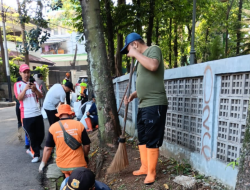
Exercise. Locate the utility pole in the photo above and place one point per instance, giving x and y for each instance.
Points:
(6, 53)
(192, 52)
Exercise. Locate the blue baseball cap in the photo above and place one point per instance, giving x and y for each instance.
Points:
(130, 38)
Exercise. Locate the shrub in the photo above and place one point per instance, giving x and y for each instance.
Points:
(44, 70)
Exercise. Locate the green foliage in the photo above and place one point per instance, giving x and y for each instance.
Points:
(178, 167)
(44, 70)
(211, 26)
(14, 71)
(35, 37)
(34, 40)
(234, 163)
(215, 49)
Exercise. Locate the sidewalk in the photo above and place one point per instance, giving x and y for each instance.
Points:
(17, 171)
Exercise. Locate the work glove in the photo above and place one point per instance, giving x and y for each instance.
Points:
(87, 159)
(41, 167)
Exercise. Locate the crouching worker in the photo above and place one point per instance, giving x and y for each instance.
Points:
(68, 158)
(92, 114)
(82, 179)
(90, 117)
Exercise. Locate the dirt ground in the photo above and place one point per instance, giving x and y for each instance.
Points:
(126, 181)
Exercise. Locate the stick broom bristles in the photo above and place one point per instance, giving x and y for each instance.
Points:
(120, 160)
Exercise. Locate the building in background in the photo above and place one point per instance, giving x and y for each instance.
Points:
(60, 48)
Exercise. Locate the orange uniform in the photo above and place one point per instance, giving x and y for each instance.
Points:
(66, 157)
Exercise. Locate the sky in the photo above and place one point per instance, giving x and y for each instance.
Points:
(12, 3)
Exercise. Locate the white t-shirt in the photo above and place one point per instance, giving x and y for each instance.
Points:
(55, 95)
(29, 105)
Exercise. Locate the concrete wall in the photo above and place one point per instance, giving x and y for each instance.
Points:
(4, 90)
(206, 116)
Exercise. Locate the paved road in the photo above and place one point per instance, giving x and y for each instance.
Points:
(16, 170)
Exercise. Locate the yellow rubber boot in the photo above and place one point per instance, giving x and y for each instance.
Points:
(153, 154)
(144, 161)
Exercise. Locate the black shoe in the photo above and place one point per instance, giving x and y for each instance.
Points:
(26, 146)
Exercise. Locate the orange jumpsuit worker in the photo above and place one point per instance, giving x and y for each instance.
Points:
(67, 159)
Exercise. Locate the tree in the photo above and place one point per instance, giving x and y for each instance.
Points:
(110, 36)
(109, 128)
(22, 7)
(4, 77)
(229, 7)
(118, 56)
(239, 27)
(150, 21)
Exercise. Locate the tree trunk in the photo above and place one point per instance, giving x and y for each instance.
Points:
(139, 23)
(228, 13)
(175, 45)
(90, 86)
(110, 37)
(239, 27)
(170, 42)
(26, 54)
(4, 78)
(109, 128)
(189, 33)
(128, 64)
(118, 57)
(157, 32)
(150, 22)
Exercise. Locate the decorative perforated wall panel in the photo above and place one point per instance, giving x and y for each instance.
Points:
(184, 117)
(233, 104)
(122, 88)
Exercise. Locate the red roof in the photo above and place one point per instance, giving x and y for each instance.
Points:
(32, 58)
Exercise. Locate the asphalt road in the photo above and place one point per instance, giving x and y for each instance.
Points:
(16, 170)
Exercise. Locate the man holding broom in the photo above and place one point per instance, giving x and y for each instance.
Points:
(153, 102)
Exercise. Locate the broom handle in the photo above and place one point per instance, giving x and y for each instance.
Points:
(128, 93)
(124, 95)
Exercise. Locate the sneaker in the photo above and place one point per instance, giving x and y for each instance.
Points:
(35, 160)
(29, 153)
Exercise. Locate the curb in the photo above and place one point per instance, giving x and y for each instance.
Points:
(7, 104)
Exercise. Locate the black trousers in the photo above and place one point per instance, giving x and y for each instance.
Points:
(68, 98)
(51, 116)
(18, 115)
(151, 125)
(34, 128)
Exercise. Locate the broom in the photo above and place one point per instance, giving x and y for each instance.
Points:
(125, 93)
(120, 160)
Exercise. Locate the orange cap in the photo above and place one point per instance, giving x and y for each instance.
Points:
(64, 109)
(67, 74)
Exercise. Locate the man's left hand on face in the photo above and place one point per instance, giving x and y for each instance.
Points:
(132, 52)
(33, 87)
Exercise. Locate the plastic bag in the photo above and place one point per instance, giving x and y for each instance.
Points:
(77, 106)
(85, 115)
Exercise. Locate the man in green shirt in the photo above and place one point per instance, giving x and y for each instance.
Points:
(152, 111)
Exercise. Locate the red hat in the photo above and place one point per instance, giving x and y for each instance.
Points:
(23, 67)
(64, 109)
